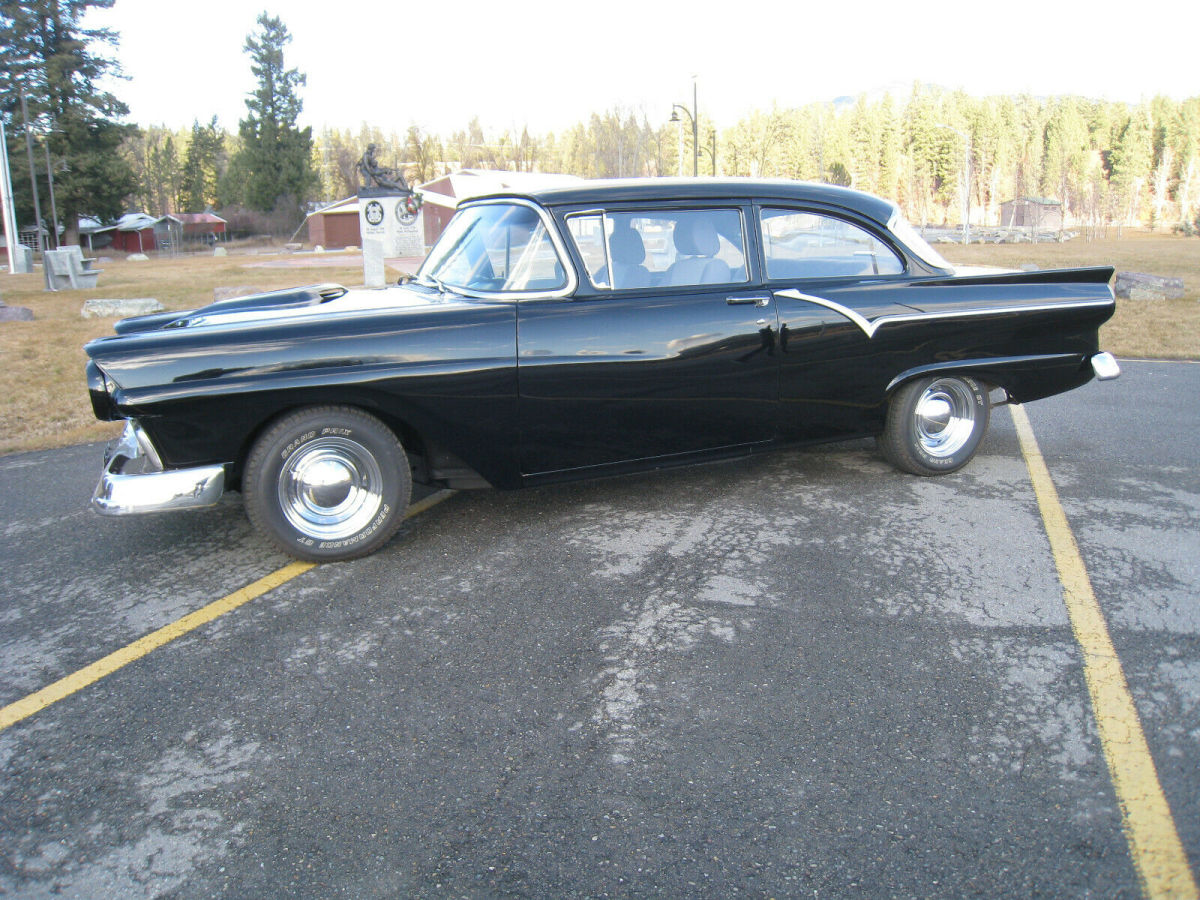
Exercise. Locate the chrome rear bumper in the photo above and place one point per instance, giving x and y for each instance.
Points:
(152, 489)
(1105, 366)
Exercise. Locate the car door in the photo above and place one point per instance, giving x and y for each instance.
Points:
(667, 351)
(829, 277)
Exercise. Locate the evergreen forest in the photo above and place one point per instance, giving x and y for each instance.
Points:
(937, 153)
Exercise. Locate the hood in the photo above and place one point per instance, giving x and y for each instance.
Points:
(324, 334)
(289, 302)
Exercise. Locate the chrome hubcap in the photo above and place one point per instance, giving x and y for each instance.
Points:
(945, 417)
(330, 488)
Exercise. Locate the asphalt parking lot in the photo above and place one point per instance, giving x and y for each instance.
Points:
(801, 674)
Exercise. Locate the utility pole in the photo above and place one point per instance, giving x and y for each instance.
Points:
(53, 208)
(37, 203)
(6, 201)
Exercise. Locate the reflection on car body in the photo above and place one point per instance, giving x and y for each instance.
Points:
(579, 331)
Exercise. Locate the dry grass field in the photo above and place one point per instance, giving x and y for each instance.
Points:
(1166, 329)
(45, 403)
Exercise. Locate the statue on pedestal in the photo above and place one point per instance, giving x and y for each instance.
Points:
(376, 176)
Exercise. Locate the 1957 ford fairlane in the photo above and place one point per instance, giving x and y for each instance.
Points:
(581, 331)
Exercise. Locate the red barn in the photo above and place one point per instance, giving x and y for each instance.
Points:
(335, 226)
(205, 227)
(140, 233)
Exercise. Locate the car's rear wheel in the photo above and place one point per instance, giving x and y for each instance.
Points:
(935, 425)
(327, 483)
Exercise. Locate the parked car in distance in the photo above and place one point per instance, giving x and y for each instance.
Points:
(580, 331)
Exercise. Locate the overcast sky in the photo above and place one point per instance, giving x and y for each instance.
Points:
(547, 64)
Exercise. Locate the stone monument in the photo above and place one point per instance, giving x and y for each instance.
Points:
(388, 217)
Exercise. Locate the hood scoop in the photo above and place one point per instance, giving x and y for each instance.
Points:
(289, 298)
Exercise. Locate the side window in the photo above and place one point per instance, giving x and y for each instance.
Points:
(521, 254)
(810, 245)
(588, 233)
(661, 248)
(707, 247)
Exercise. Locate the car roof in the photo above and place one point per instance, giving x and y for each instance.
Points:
(621, 190)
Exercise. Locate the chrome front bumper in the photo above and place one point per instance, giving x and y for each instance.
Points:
(151, 488)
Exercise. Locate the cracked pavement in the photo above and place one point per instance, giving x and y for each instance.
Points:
(793, 674)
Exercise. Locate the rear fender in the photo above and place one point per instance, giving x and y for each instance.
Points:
(1022, 378)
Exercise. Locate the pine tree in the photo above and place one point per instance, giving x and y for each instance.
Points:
(1184, 139)
(889, 150)
(56, 63)
(1065, 156)
(201, 167)
(274, 165)
(1131, 159)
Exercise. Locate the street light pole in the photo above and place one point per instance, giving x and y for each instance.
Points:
(694, 116)
(695, 130)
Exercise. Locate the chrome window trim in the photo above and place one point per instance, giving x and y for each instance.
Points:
(870, 326)
(556, 241)
(608, 257)
(603, 214)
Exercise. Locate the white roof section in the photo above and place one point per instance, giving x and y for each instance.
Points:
(138, 221)
(467, 183)
(134, 221)
(349, 205)
(464, 184)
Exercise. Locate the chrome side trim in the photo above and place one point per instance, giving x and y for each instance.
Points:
(155, 489)
(870, 326)
(1105, 366)
(859, 320)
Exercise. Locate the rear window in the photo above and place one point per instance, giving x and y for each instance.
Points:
(800, 244)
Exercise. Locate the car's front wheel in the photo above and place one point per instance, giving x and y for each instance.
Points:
(327, 483)
(935, 425)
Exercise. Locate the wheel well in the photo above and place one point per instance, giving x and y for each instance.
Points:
(904, 378)
(410, 439)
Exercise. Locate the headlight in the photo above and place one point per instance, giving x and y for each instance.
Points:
(100, 388)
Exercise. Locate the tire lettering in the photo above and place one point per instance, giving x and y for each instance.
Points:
(361, 536)
(294, 445)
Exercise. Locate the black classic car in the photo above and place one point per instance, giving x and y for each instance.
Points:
(583, 331)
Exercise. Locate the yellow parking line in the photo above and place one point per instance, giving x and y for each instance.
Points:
(1149, 827)
(76, 681)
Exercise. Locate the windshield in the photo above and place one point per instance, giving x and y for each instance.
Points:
(911, 238)
(495, 248)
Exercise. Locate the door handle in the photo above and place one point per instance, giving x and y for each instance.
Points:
(747, 299)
